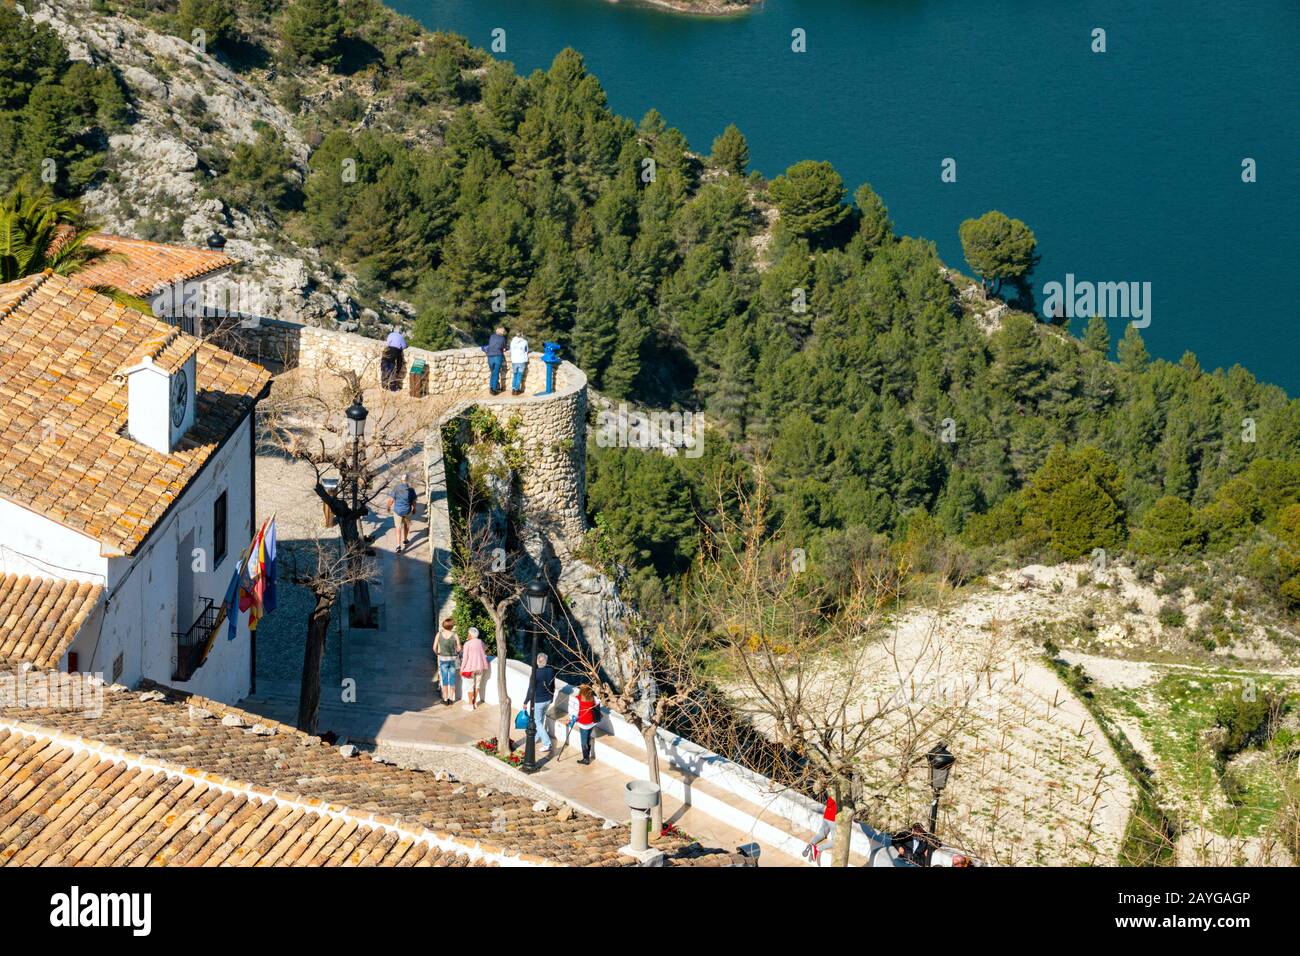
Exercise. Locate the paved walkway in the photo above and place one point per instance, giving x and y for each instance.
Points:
(396, 700)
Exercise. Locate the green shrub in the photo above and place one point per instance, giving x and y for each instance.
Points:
(1244, 718)
(1073, 503)
(1171, 615)
(1169, 528)
(469, 613)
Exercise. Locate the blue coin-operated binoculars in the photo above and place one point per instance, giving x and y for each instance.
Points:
(551, 356)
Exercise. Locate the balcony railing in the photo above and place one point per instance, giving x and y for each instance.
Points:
(190, 645)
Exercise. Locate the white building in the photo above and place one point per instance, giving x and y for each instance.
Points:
(126, 485)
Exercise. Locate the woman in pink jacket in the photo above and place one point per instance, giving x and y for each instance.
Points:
(473, 668)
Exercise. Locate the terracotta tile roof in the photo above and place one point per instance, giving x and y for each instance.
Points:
(63, 407)
(39, 617)
(65, 804)
(140, 268)
(201, 742)
(167, 348)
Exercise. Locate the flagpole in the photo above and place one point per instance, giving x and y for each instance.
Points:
(221, 616)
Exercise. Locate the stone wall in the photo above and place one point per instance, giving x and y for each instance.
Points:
(552, 427)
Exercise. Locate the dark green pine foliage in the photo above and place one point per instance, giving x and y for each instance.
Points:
(810, 197)
(731, 151)
(55, 115)
(311, 31)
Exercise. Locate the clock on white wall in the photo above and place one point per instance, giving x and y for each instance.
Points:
(180, 397)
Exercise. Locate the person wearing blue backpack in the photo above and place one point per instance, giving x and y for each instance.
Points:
(401, 502)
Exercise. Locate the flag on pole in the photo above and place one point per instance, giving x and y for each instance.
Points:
(229, 606)
(253, 580)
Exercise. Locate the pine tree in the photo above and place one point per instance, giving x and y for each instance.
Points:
(620, 376)
(873, 226)
(216, 18)
(312, 31)
(728, 388)
(810, 197)
(1018, 361)
(1133, 357)
(1096, 337)
(998, 248)
(731, 151)
(1169, 528)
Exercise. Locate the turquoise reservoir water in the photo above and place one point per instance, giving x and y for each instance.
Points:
(1127, 164)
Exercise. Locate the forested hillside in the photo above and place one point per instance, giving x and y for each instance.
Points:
(840, 357)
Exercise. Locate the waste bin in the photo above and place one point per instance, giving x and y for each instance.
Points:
(419, 377)
(641, 796)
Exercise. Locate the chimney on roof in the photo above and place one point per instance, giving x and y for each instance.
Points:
(160, 402)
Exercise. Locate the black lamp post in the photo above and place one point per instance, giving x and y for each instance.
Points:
(536, 599)
(357, 414)
(941, 761)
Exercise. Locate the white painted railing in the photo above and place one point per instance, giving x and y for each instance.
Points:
(784, 820)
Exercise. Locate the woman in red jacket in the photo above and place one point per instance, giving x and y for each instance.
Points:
(587, 716)
(825, 834)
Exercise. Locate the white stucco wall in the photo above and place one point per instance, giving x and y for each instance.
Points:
(139, 613)
(33, 544)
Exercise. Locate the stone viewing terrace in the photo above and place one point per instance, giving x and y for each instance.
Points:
(396, 708)
(552, 427)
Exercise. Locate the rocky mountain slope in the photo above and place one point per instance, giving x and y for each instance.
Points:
(186, 102)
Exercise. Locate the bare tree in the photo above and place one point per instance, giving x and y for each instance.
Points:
(304, 420)
(842, 702)
(645, 675)
(485, 569)
(325, 569)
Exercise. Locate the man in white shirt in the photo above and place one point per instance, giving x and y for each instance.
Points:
(518, 363)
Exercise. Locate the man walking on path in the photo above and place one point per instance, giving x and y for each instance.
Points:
(401, 502)
(539, 697)
(392, 362)
(495, 350)
(518, 363)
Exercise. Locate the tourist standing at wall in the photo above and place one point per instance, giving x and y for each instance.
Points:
(586, 714)
(495, 350)
(518, 363)
(474, 668)
(401, 502)
(392, 362)
(447, 646)
(540, 694)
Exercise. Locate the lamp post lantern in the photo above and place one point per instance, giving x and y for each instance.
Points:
(356, 414)
(941, 761)
(537, 600)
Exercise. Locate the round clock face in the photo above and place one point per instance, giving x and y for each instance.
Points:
(180, 398)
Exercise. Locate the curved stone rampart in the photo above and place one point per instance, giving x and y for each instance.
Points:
(552, 427)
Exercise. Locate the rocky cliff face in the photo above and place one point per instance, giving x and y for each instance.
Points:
(185, 102)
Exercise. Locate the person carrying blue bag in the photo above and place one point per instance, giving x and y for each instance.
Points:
(539, 697)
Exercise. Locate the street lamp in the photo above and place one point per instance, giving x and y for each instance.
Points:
(356, 414)
(536, 599)
(941, 761)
